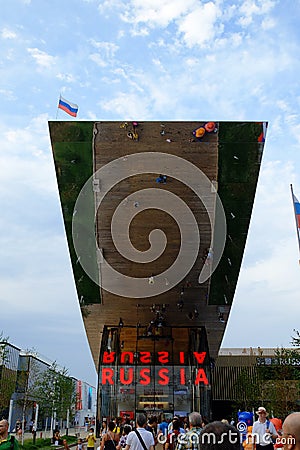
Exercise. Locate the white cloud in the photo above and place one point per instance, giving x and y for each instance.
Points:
(128, 105)
(273, 201)
(139, 31)
(25, 158)
(250, 9)
(268, 24)
(266, 292)
(157, 12)
(7, 93)
(269, 276)
(108, 48)
(43, 59)
(67, 77)
(98, 59)
(199, 22)
(272, 271)
(105, 53)
(152, 13)
(6, 33)
(135, 79)
(110, 5)
(200, 25)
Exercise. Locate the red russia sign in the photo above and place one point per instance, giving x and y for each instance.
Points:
(127, 375)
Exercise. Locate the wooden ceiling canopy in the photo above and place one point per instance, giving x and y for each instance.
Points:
(230, 158)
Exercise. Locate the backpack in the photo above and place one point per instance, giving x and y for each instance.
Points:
(268, 426)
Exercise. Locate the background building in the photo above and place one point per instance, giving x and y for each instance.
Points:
(85, 404)
(244, 378)
(35, 390)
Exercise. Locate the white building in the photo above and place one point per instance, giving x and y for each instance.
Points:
(85, 404)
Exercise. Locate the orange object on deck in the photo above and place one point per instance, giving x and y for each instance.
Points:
(210, 126)
(200, 132)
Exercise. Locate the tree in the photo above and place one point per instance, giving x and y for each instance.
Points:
(29, 373)
(55, 392)
(281, 381)
(248, 390)
(3, 348)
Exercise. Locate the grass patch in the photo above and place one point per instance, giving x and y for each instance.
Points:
(45, 443)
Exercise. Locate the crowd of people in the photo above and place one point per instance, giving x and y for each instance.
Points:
(197, 433)
(190, 433)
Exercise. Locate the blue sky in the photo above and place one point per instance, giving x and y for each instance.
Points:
(143, 60)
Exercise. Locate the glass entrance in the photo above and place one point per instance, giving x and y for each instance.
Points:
(153, 372)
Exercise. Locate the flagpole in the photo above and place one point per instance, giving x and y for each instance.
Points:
(57, 107)
(297, 229)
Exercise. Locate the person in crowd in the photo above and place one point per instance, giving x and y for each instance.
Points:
(117, 429)
(263, 431)
(91, 439)
(205, 421)
(191, 440)
(19, 430)
(140, 438)
(172, 438)
(56, 437)
(162, 431)
(111, 439)
(291, 432)
(123, 439)
(219, 436)
(185, 424)
(31, 426)
(7, 441)
(103, 429)
(18, 425)
(162, 428)
(65, 444)
(170, 426)
(80, 445)
(152, 427)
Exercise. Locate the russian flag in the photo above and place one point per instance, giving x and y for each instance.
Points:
(297, 210)
(262, 136)
(68, 107)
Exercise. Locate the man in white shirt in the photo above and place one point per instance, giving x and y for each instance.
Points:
(133, 442)
(263, 431)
